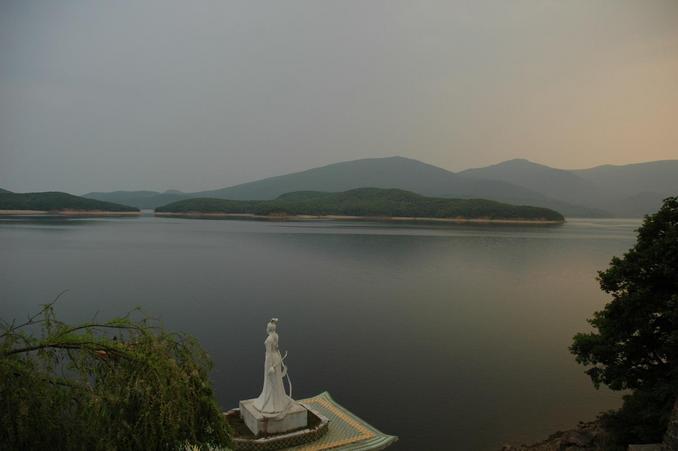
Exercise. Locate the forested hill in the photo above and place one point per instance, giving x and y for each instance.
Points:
(604, 191)
(391, 172)
(369, 202)
(57, 201)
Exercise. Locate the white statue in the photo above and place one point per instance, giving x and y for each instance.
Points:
(273, 401)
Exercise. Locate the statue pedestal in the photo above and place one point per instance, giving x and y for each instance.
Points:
(295, 417)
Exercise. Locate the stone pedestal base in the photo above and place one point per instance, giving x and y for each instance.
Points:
(295, 417)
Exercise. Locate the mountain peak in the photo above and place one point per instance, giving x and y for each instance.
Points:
(521, 162)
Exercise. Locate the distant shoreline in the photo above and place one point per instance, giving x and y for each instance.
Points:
(68, 213)
(204, 215)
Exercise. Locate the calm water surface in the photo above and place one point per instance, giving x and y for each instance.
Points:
(452, 337)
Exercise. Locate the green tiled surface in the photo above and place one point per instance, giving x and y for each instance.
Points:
(346, 431)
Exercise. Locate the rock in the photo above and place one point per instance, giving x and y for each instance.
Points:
(577, 438)
(671, 437)
(591, 437)
(586, 437)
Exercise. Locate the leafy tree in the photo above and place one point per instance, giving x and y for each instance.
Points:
(634, 345)
(119, 384)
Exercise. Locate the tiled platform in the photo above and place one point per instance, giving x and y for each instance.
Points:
(346, 431)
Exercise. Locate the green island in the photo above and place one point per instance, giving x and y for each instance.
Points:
(388, 204)
(54, 202)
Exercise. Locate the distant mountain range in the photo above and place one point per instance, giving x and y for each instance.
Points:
(604, 191)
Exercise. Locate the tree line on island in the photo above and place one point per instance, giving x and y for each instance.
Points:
(366, 202)
(56, 201)
(362, 202)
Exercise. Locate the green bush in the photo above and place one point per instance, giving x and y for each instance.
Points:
(642, 419)
(120, 384)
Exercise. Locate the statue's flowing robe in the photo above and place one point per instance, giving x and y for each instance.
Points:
(273, 398)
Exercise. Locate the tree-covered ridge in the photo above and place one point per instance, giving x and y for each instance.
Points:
(54, 201)
(373, 202)
(4, 191)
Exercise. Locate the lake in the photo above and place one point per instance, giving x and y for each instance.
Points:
(449, 336)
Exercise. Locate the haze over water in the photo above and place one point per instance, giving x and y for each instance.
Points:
(443, 335)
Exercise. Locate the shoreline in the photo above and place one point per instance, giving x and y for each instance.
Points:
(68, 213)
(207, 215)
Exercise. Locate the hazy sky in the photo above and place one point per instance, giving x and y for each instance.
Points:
(191, 95)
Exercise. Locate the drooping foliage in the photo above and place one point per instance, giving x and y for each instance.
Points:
(119, 384)
(634, 345)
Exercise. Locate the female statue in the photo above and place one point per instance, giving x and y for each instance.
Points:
(273, 400)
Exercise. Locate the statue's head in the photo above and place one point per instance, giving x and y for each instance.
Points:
(272, 325)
